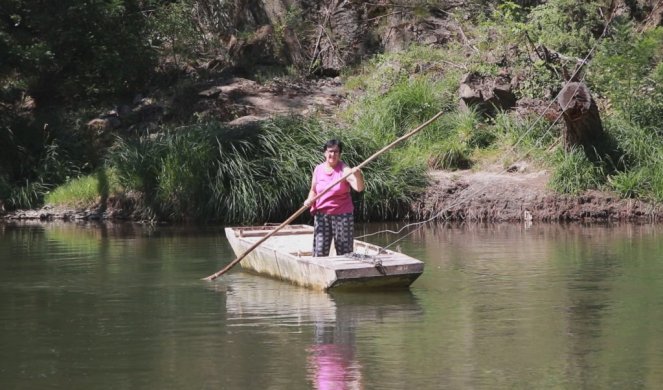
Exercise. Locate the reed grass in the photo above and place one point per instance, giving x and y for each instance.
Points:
(27, 195)
(255, 174)
(574, 173)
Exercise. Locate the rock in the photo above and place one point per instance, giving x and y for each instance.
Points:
(210, 93)
(246, 120)
(487, 94)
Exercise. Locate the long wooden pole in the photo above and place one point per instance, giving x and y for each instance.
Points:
(303, 208)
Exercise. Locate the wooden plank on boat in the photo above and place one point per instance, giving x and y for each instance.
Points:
(288, 257)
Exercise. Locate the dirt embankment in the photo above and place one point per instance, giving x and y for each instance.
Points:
(488, 196)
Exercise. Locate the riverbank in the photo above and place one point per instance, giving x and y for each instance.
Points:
(487, 196)
(472, 196)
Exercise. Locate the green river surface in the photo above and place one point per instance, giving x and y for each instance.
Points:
(123, 306)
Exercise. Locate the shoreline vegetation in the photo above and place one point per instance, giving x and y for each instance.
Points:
(483, 161)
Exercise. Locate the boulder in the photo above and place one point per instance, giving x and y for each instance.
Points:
(487, 94)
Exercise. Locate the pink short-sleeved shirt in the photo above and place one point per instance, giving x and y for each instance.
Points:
(337, 200)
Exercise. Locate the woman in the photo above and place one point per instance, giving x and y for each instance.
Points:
(333, 211)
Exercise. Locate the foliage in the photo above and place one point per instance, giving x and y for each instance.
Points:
(574, 172)
(629, 184)
(137, 163)
(85, 190)
(217, 17)
(383, 71)
(628, 69)
(513, 17)
(72, 52)
(71, 49)
(642, 160)
(525, 133)
(26, 195)
(172, 29)
(66, 53)
(213, 172)
(567, 26)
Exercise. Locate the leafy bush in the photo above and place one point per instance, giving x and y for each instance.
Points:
(567, 26)
(628, 69)
(173, 30)
(69, 49)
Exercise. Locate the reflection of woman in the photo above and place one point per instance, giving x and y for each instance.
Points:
(333, 211)
(332, 362)
(334, 367)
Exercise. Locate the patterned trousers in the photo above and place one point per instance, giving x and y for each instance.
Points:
(339, 227)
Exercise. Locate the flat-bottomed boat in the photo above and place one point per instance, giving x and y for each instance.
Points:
(286, 255)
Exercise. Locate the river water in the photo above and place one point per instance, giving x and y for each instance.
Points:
(498, 306)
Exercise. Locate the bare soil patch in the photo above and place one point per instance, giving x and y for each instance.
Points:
(488, 196)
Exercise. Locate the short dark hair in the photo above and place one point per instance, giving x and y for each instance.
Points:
(332, 143)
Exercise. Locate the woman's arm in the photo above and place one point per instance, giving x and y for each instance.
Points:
(356, 179)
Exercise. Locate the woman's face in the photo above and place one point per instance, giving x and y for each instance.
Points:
(332, 155)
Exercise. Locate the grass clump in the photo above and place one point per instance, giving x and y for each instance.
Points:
(85, 190)
(574, 173)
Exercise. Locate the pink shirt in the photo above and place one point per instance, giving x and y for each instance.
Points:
(337, 200)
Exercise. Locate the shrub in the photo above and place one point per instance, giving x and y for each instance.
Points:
(628, 70)
(567, 26)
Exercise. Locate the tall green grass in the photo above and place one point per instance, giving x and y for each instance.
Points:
(253, 174)
(641, 161)
(574, 173)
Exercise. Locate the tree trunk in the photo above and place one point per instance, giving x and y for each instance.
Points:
(581, 116)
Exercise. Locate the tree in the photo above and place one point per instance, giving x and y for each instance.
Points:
(65, 50)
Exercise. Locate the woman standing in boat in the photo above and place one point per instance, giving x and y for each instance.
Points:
(333, 211)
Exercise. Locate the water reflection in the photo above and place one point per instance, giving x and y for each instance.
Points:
(333, 318)
(332, 362)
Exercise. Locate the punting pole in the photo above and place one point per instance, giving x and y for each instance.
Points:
(303, 208)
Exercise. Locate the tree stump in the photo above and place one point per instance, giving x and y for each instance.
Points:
(582, 119)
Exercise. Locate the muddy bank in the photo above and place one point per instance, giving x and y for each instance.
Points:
(516, 197)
